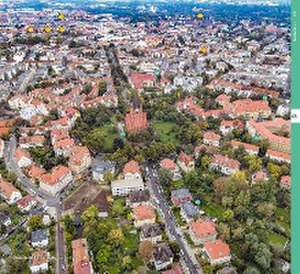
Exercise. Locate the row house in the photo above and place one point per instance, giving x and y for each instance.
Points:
(281, 157)
(249, 148)
(224, 164)
(9, 192)
(265, 130)
(211, 138)
(80, 159)
(23, 158)
(250, 109)
(57, 180)
(227, 127)
(32, 141)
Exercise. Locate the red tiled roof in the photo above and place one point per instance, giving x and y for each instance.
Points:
(184, 158)
(138, 79)
(20, 153)
(285, 181)
(136, 121)
(144, 212)
(131, 167)
(210, 135)
(78, 154)
(39, 257)
(217, 249)
(202, 228)
(7, 189)
(175, 270)
(80, 257)
(244, 106)
(237, 144)
(225, 161)
(168, 164)
(278, 154)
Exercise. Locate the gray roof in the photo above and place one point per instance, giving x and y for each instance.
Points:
(102, 166)
(180, 193)
(39, 235)
(190, 210)
(151, 230)
(162, 253)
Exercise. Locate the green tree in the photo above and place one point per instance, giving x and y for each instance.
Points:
(35, 222)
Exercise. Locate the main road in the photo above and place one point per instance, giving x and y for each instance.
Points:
(175, 232)
(43, 197)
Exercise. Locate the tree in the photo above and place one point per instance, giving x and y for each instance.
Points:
(108, 177)
(274, 170)
(253, 163)
(228, 215)
(146, 250)
(116, 237)
(263, 256)
(251, 270)
(90, 214)
(102, 88)
(35, 222)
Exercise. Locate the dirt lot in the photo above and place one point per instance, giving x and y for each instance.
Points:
(81, 198)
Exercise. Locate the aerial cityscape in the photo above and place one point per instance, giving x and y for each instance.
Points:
(145, 137)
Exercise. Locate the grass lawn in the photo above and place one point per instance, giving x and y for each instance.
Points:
(283, 218)
(276, 240)
(213, 210)
(165, 131)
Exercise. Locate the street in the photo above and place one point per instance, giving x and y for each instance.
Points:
(42, 197)
(175, 231)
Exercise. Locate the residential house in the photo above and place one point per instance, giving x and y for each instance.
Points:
(63, 147)
(123, 187)
(162, 256)
(202, 231)
(138, 198)
(81, 259)
(151, 233)
(259, 176)
(170, 165)
(57, 180)
(176, 269)
(227, 127)
(249, 148)
(143, 214)
(285, 182)
(5, 219)
(8, 192)
(40, 238)
(32, 141)
(211, 138)
(189, 211)
(224, 164)
(181, 196)
(186, 162)
(100, 167)
(39, 261)
(132, 170)
(26, 203)
(280, 157)
(217, 252)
